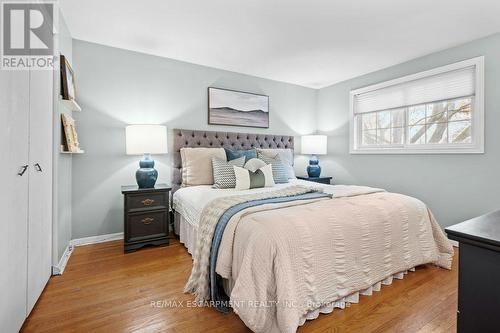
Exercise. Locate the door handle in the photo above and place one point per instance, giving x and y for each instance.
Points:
(38, 167)
(23, 170)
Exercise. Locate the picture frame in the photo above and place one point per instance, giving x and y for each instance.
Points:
(68, 88)
(70, 141)
(237, 108)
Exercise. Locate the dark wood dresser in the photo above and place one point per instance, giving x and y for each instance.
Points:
(146, 216)
(322, 180)
(478, 273)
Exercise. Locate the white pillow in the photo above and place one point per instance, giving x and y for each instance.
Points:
(246, 179)
(285, 155)
(254, 164)
(197, 165)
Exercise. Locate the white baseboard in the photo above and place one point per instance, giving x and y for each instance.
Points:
(59, 268)
(96, 239)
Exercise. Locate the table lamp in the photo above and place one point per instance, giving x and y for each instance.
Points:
(147, 140)
(313, 145)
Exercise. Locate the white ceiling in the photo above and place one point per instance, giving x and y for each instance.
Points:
(313, 43)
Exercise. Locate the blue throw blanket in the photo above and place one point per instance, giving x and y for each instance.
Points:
(217, 293)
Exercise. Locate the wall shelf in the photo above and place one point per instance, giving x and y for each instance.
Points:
(70, 104)
(62, 151)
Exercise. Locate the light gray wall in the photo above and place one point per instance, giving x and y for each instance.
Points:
(455, 187)
(62, 162)
(117, 87)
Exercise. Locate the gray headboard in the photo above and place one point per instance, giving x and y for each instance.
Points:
(210, 139)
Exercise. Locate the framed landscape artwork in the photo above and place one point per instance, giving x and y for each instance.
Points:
(237, 108)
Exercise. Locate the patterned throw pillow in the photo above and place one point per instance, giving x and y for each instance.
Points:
(280, 173)
(232, 154)
(285, 155)
(224, 173)
(246, 179)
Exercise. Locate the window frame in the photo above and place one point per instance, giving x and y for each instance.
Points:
(477, 117)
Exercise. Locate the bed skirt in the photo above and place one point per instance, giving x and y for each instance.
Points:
(186, 231)
(353, 298)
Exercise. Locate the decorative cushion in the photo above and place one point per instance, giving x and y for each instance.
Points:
(197, 165)
(224, 172)
(246, 179)
(280, 173)
(254, 164)
(232, 154)
(286, 156)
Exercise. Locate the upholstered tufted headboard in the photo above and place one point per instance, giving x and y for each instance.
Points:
(210, 139)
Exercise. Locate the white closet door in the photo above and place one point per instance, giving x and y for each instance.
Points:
(14, 110)
(40, 184)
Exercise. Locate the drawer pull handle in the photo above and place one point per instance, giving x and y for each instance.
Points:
(148, 220)
(148, 202)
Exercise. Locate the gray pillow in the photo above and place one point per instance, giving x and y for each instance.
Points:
(280, 173)
(254, 164)
(285, 155)
(224, 172)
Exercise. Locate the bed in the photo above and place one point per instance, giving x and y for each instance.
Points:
(304, 249)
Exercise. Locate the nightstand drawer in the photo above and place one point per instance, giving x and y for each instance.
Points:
(147, 200)
(146, 226)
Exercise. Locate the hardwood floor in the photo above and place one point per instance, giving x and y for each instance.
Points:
(104, 290)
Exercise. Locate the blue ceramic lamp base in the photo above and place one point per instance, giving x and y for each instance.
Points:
(313, 169)
(146, 175)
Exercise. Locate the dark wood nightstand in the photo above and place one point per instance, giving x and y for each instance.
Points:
(478, 272)
(322, 180)
(146, 216)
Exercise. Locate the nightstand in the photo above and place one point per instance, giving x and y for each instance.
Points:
(146, 216)
(322, 180)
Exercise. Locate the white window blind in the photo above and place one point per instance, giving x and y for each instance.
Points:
(436, 111)
(443, 86)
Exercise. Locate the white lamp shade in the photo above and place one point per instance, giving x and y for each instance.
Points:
(313, 144)
(146, 139)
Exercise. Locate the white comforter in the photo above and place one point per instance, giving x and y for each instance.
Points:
(287, 261)
(190, 201)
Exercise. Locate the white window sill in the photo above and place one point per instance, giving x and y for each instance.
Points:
(426, 150)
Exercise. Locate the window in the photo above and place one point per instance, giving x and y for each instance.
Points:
(437, 111)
